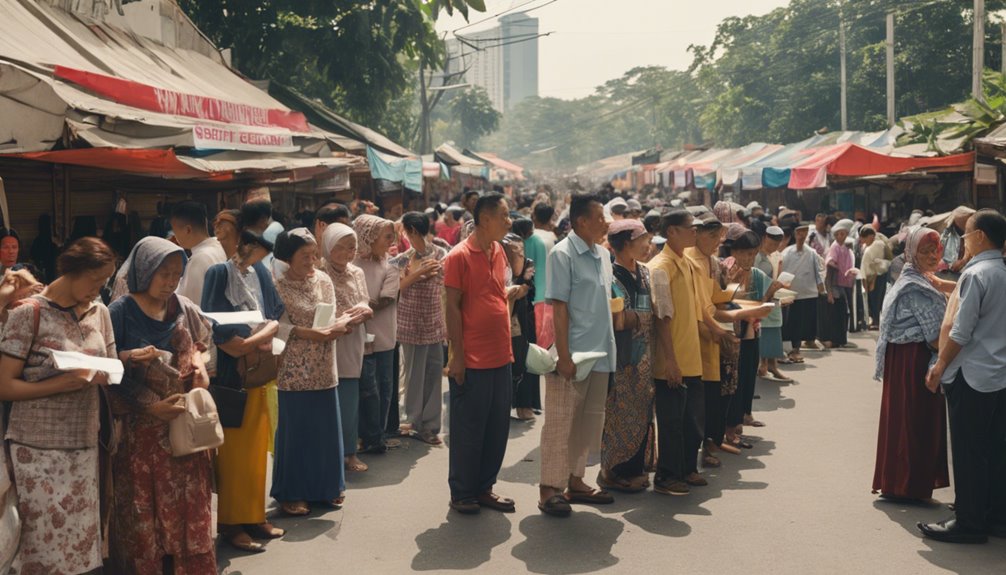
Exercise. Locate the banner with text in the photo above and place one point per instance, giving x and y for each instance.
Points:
(206, 137)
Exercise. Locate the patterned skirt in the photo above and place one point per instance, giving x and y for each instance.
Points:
(58, 503)
(162, 505)
(628, 413)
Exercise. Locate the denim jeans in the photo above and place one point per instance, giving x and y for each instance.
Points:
(377, 381)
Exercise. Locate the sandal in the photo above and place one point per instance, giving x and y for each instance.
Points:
(338, 502)
(295, 509)
(467, 506)
(615, 483)
(556, 506)
(430, 438)
(358, 467)
(729, 447)
(243, 542)
(264, 531)
(592, 497)
(710, 461)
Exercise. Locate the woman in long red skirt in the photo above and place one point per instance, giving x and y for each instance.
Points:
(912, 443)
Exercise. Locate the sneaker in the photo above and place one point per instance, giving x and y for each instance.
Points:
(670, 487)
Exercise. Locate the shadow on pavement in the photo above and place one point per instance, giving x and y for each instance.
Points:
(527, 470)
(461, 542)
(579, 544)
(390, 468)
(771, 396)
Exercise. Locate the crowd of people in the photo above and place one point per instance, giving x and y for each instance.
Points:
(650, 324)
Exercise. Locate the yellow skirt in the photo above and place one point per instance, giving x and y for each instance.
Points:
(241, 463)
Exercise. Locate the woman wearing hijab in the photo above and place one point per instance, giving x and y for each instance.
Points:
(243, 284)
(339, 249)
(912, 442)
(308, 466)
(378, 382)
(839, 280)
(162, 504)
(629, 408)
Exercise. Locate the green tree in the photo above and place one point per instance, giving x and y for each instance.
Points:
(355, 56)
(474, 113)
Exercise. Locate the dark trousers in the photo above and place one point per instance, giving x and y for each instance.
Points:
(377, 382)
(634, 467)
(747, 374)
(978, 442)
(876, 298)
(480, 427)
(716, 419)
(679, 431)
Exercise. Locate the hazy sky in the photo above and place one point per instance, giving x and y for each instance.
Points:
(597, 40)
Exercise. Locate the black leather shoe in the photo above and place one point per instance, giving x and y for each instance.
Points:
(949, 532)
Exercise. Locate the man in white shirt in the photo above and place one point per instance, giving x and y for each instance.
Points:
(877, 258)
(189, 224)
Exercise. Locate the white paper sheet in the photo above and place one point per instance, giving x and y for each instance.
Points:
(278, 346)
(786, 278)
(323, 315)
(70, 360)
(253, 317)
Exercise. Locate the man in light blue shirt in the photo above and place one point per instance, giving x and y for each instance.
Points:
(972, 368)
(574, 410)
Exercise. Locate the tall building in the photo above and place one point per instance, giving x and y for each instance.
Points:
(502, 59)
(520, 58)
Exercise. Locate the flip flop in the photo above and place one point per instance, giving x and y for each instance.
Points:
(295, 509)
(619, 484)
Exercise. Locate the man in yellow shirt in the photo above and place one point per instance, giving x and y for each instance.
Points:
(677, 360)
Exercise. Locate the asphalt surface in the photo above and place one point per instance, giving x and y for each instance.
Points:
(799, 502)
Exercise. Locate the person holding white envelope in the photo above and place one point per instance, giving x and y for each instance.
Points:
(574, 401)
(54, 421)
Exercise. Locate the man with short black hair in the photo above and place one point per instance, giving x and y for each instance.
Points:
(575, 398)
(677, 361)
(478, 328)
(877, 257)
(189, 223)
(332, 213)
(972, 369)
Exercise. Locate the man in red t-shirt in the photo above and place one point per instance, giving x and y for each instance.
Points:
(478, 327)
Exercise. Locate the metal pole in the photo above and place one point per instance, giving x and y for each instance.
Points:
(841, 49)
(890, 70)
(978, 55)
(1002, 45)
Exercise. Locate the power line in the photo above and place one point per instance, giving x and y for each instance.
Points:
(494, 16)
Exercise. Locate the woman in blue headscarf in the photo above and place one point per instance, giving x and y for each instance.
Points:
(162, 504)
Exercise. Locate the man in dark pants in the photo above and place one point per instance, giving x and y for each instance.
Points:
(972, 368)
(478, 329)
(677, 362)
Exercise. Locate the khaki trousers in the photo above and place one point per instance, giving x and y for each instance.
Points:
(574, 421)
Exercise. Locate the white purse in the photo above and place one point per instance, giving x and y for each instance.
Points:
(198, 428)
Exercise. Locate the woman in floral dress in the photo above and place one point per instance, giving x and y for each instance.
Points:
(162, 504)
(53, 426)
(629, 410)
(309, 457)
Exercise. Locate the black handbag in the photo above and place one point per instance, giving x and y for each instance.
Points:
(230, 404)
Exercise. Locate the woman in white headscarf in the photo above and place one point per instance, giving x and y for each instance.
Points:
(839, 280)
(339, 249)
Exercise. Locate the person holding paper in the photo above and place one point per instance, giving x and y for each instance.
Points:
(162, 504)
(422, 329)
(739, 249)
(339, 248)
(243, 283)
(308, 466)
(579, 289)
(770, 348)
(379, 381)
(840, 277)
(54, 421)
(802, 261)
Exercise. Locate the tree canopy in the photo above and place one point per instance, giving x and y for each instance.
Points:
(771, 78)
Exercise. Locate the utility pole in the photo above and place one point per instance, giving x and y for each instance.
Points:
(1002, 44)
(841, 49)
(978, 54)
(890, 70)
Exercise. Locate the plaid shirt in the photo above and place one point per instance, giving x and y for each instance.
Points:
(420, 306)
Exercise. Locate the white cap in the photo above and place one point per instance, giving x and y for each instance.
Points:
(774, 231)
(753, 205)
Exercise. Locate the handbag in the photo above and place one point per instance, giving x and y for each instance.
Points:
(198, 428)
(230, 404)
(257, 369)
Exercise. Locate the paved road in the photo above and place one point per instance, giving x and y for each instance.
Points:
(799, 503)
